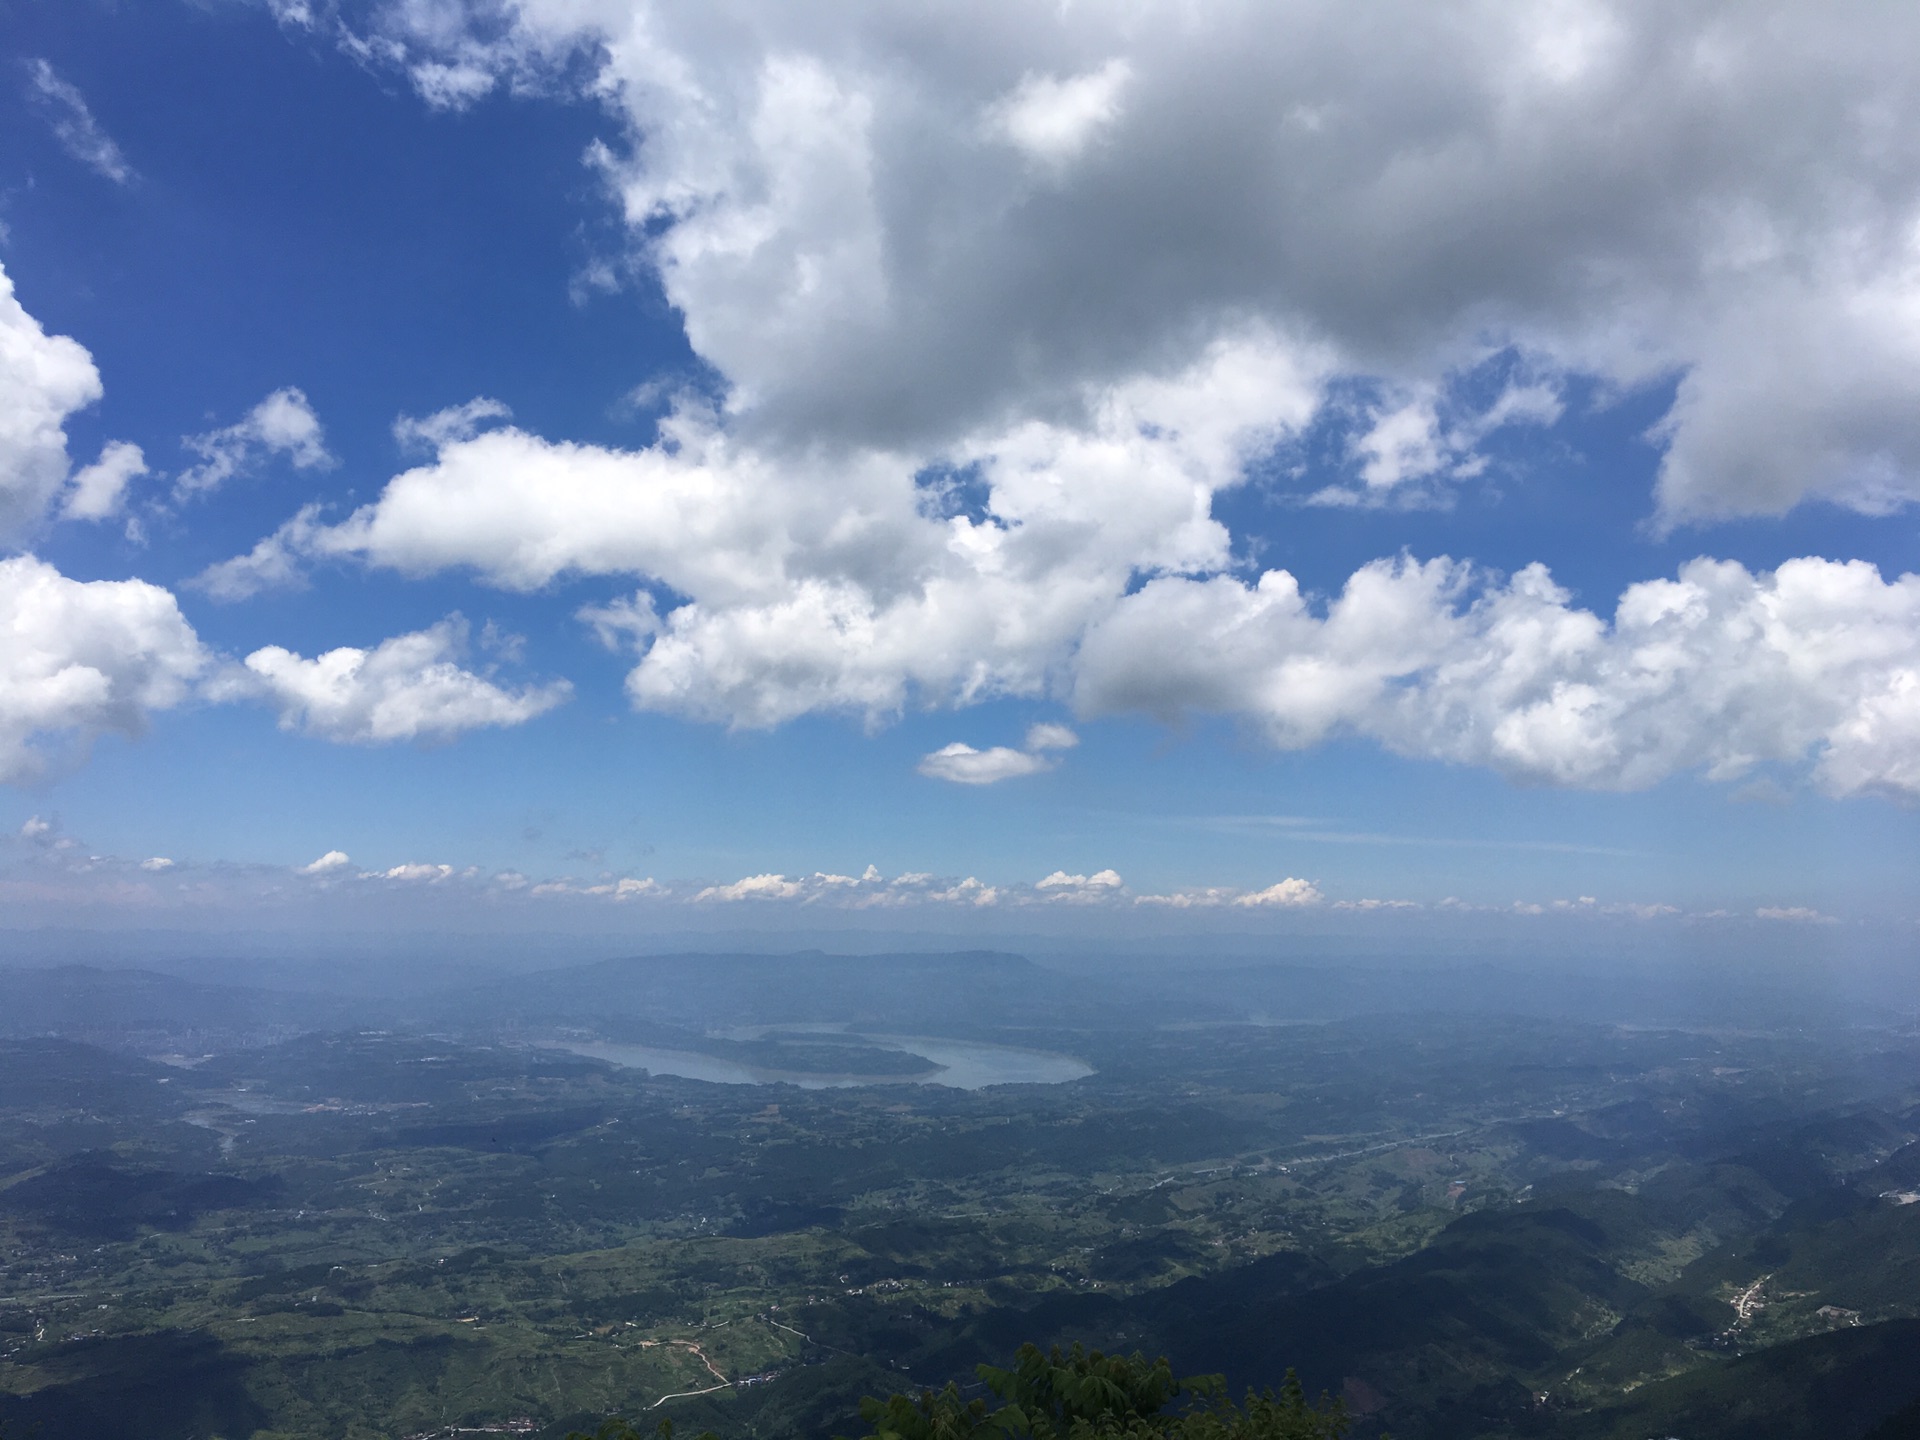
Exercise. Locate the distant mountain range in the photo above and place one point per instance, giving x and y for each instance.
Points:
(669, 998)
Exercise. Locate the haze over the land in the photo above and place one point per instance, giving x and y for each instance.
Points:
(1410, 476)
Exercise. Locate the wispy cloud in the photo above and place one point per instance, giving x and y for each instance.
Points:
(274, 563)
(1298, 827)
(1795, 915)
(281, 424)
(74, 125)
(444, 427)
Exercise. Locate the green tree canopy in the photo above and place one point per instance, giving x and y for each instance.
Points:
(618, 1429)
(1082, 1394)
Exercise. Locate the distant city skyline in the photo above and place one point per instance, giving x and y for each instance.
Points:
(626, 469)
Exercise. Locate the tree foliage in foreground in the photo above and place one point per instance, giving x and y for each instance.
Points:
(618, 1429)
(1081, 1394)
(1084, 1395)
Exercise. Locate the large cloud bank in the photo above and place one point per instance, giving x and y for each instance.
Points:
(1716, 671)
(897, 227)
(842, 582)
(806, 592)
(1001, 300)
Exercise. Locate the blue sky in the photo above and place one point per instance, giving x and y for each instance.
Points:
(933, 382)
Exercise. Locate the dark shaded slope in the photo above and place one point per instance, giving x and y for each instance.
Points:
(53, 1074)
(1441, 1345)
(1826, 1387)
(88, 1199)
(171, 1385)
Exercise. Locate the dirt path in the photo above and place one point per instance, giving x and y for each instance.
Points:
(723, 1383)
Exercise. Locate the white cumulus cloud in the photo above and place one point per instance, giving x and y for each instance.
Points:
(752, 887)
(1287, 894)
(1100, 885)
(620, 890)
(43, 380)
(1714, 672)
(82, 658)
(805, 596)
(964, 765)
(331, 863)
(99, 491)
(1282, 894)
(839, 583)
(414, 873)
(410, 687)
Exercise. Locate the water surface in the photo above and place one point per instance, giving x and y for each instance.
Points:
(964, 1065)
